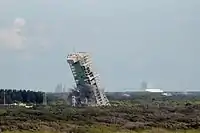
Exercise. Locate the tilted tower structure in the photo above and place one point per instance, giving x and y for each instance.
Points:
(88, 90)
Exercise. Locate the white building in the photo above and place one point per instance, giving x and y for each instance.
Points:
(154, 90)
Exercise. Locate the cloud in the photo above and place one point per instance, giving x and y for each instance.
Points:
(12, 37)
(22, 38)
(19, 22)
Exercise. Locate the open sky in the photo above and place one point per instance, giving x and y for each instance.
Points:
(131, 40)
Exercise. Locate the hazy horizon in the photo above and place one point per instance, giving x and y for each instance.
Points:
(130, 41)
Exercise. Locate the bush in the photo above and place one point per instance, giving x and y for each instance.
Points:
(3, 112)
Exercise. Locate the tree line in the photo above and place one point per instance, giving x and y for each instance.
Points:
(25, 96)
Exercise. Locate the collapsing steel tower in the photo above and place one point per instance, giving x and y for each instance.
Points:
(87, 91)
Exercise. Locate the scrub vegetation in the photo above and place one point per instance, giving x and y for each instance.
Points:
(143, 113)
